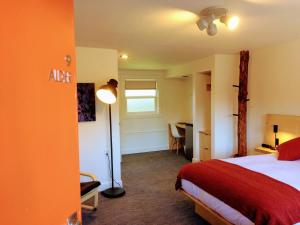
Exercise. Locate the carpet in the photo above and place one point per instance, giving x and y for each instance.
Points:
(150, 198)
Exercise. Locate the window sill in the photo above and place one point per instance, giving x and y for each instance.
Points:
(141, 116)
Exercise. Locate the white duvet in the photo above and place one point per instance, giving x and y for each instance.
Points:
(285, 171)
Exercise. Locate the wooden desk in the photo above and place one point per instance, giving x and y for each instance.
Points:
(181, 127)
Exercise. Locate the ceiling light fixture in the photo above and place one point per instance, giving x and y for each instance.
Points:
(124, 56)
(211, 14)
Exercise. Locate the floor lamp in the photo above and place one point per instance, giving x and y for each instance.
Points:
(108, 94)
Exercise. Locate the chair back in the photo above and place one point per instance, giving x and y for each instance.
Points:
(174, 131)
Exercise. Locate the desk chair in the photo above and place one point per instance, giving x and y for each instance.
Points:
(177, 138)
(89, 190)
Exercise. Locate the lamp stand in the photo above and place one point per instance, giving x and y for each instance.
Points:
(113, 192)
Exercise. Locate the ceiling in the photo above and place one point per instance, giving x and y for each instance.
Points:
(157, 34)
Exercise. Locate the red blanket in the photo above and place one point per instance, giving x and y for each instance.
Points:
(262, 199)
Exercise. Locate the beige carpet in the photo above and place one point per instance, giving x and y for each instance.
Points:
(150, 198)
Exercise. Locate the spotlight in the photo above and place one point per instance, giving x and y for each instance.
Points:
(212, 29)
(202, 24)
(230, 22)
(233, 22)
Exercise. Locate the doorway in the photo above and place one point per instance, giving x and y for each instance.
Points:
(202, 115)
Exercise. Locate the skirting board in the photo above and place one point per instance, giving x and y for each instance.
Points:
(139, 150)
(205, 212)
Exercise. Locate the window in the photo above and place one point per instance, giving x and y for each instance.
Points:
(141, 96)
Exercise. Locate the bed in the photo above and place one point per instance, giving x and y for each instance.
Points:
(217, 212)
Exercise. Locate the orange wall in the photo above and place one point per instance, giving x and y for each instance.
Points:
(38, 119)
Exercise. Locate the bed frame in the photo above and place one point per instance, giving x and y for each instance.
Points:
(205, 212)
(288, 129)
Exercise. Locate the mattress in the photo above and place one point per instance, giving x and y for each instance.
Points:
(284, 171)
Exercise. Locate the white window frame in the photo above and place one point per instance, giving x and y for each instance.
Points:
(142, 114)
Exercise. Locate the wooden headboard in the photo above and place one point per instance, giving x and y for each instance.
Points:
(288, 128)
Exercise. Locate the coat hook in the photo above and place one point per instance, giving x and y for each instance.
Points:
(237, 86)
(236, 115)
(68, 59)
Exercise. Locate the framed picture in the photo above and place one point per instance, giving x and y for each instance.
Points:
(86, 102)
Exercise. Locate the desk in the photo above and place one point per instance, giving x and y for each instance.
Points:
(181, 125)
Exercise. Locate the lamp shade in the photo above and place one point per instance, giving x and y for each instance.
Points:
(108, 93)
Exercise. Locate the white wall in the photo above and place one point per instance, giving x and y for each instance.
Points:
(201, 106)
(98, 66)
(190, 68)
(189, 96)
(274, 86)
(224, 73)
(224, 104)
(150, 133)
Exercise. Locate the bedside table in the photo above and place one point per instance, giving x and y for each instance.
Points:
(265, 150)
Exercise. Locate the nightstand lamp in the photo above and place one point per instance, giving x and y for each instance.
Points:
(275, 130)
